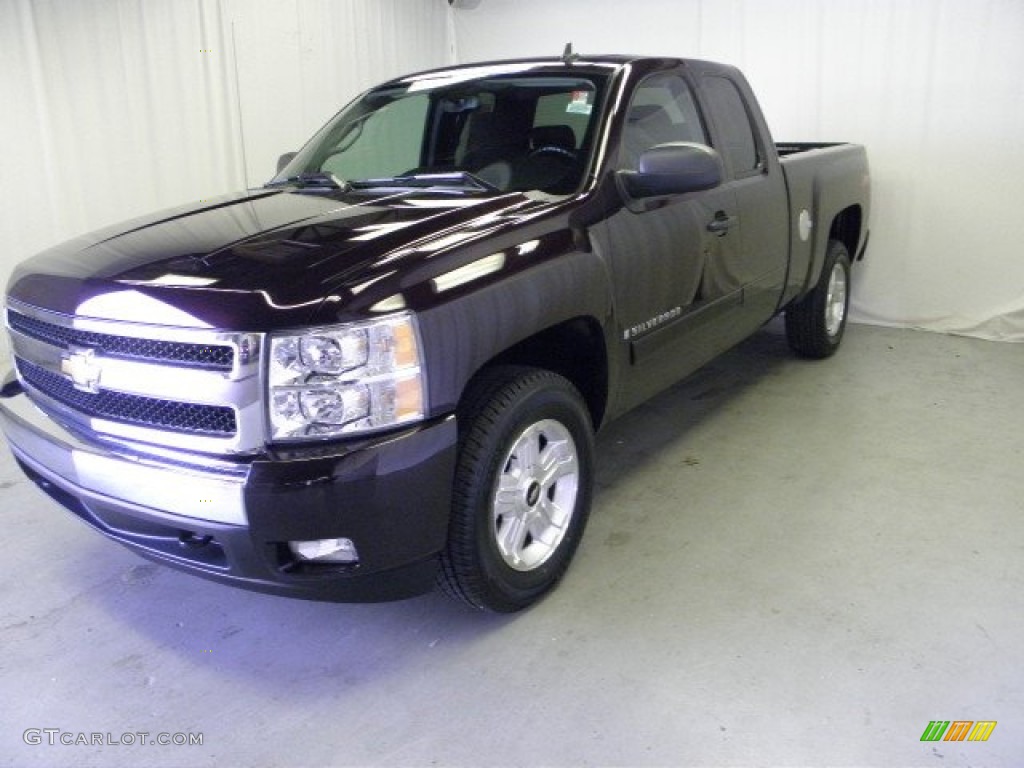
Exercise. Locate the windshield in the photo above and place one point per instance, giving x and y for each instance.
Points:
(494, 133)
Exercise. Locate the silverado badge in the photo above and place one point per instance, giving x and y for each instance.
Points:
(82, 366)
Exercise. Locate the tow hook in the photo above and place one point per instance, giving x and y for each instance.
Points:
(190, 540)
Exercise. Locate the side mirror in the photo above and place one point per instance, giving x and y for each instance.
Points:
(284, 159)
(673, 169)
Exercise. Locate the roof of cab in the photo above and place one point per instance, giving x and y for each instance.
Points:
(510, 66)
(581, 61)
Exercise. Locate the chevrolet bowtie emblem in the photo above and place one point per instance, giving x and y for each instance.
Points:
(82, 366)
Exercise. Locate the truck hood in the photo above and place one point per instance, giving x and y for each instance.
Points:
(256, 260)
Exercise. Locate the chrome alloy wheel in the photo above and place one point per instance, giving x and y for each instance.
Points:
(535, 495)
(835, 300)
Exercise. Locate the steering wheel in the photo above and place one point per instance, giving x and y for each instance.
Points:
(553, 149)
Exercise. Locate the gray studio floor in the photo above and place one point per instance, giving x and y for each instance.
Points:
(788, 563)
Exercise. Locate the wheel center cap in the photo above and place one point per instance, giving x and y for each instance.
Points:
(533, 493)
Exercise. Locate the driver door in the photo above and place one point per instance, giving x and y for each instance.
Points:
(670, 316)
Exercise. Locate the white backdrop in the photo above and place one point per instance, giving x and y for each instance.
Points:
(113, 108)
(934, 88)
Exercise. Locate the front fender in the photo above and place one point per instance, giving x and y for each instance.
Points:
(462, 335)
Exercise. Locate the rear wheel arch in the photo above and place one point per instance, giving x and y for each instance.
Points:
(815, 324)
(846, 227)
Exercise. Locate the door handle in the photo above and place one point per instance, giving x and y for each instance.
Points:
(721, 223)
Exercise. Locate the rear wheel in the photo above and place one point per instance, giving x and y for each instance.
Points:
(522, 488)
(815, 324)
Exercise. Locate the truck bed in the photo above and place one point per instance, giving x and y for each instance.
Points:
(794, 147)
(821, 179)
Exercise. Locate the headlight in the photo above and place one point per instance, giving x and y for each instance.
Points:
(345, 379)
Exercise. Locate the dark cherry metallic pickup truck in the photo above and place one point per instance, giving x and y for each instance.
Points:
(385, 368)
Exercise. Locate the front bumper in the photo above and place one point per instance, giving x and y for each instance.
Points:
(231, 521)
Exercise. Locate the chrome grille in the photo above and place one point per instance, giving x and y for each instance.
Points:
(185, 388)
(133, 409)
(220, 358)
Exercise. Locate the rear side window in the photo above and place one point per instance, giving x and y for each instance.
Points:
(736, 134)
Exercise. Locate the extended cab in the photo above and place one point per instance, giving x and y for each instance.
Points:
(385, 367)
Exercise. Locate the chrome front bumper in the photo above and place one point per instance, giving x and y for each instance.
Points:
(233, 522)
(161, 486)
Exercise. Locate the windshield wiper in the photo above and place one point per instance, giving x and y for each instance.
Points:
(454, 179)
(313, 179)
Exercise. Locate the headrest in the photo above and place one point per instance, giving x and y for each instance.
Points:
(553, 136)
(648, 114)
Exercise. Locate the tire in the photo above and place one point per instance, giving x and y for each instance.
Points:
(815, 324)
(523, 485)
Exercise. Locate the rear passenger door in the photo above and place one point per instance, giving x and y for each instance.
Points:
(758, 265)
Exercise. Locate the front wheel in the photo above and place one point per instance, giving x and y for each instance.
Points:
(815, 324)
(522, 492)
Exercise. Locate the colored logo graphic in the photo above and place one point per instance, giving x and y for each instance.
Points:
(958, 730)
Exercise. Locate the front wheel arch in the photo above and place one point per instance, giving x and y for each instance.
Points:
(484, 563)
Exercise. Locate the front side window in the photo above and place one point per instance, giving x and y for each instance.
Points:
(662, 110)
